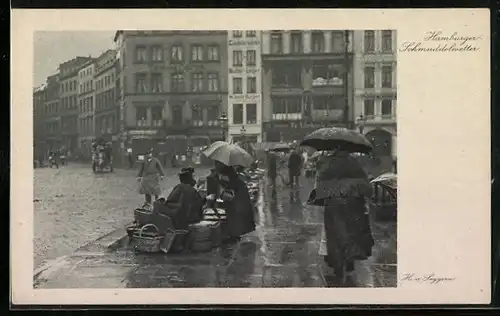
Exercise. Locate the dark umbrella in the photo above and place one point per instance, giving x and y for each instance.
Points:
(332, 138)
(281, 147)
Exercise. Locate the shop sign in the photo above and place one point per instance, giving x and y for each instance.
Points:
(241, 70)
(142, 132)
(244, 97)
(237, 42)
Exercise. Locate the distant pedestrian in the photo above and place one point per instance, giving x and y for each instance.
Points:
(130, 158)
(173, 160)
(272, 168)
(294, 168)
(150, 174)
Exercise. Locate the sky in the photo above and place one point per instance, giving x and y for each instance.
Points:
(52, 48)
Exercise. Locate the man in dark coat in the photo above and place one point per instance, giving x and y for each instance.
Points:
(294, 168)
(272, 171)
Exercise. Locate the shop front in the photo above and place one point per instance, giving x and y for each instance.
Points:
(289, 131)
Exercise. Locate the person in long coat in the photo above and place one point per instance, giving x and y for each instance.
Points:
(342, 188)
(150, 174)
(294, 168)
(239, 207)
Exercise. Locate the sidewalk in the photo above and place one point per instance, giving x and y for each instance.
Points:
(282, 252)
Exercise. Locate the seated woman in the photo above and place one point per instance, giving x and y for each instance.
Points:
(184, 204)
(238, 206)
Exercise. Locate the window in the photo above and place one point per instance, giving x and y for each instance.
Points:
(387, 41)
(237, 85)
(177, 115)
(213, 53)
(369, 41)
(296, 39)
(251, 84)
(369, 108)
(196, 53)
(141, 54)
(327, 74)
(386, 108)
(237, 33)
(197, 115)
(178, 83)
(213, 82)
(276, 43)
(177, 53)
(251, 33)
(251, 56)
(318, 42)
(337, 41)
(213, 115)
(141, 115)
(156, 53)
(237, 58)
(287, 108)
(322, 103)
(157, 82)
(141, 85)
(370, 77)
(286, 74)
(386, 77)
(237, 113)
(157, 115)
(251, 113)
(197, 82)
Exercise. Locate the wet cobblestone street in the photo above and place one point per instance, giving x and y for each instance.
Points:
(282, 252)
(73, 206)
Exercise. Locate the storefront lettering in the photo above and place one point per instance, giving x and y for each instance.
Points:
(243, 42)
(245, 97)
(240, 70)
(185, 67)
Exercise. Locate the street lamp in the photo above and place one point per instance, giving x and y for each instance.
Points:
(361, 121)
(223, 122)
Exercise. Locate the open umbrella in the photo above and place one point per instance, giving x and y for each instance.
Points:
(389, 180)
(229, 154)
(281, 147)
(332, 138)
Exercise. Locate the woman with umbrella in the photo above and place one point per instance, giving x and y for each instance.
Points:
(232, 189)
(342, 188)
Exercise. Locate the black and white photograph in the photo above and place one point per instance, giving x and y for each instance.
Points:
(238, 158)
(310, 157)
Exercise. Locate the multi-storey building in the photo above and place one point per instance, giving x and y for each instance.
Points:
(68, 79)
(52, 114)
(173, 88)
(39, 97)
(376, 86)
(107, 109)
(306, 82)
(86, 108)
(244, 85)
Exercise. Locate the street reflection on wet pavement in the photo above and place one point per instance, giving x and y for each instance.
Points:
(282, 252)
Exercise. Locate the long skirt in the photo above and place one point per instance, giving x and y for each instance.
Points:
(150, 184)
(347, 231)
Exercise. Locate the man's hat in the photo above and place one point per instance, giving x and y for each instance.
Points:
(186, 171)
(150, 151)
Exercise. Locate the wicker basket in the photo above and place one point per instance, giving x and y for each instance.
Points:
(145, 242)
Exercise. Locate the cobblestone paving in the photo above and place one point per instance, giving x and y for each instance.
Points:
(73, 206)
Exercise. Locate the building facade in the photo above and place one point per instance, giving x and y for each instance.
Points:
(375, 73)
(39, 98)
(52, 114)
(307, 82)
(173, 88)
(86, 108)
(68, 80)
(244, 86)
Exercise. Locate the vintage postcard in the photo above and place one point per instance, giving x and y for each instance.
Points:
(250, 156)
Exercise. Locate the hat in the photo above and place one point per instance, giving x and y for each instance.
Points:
(150, 151)
(187, 170)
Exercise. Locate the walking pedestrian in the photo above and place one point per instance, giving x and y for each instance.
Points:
(272, 172)
(294, 168)
(342, 188)
(130, 158)
(149, 176)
